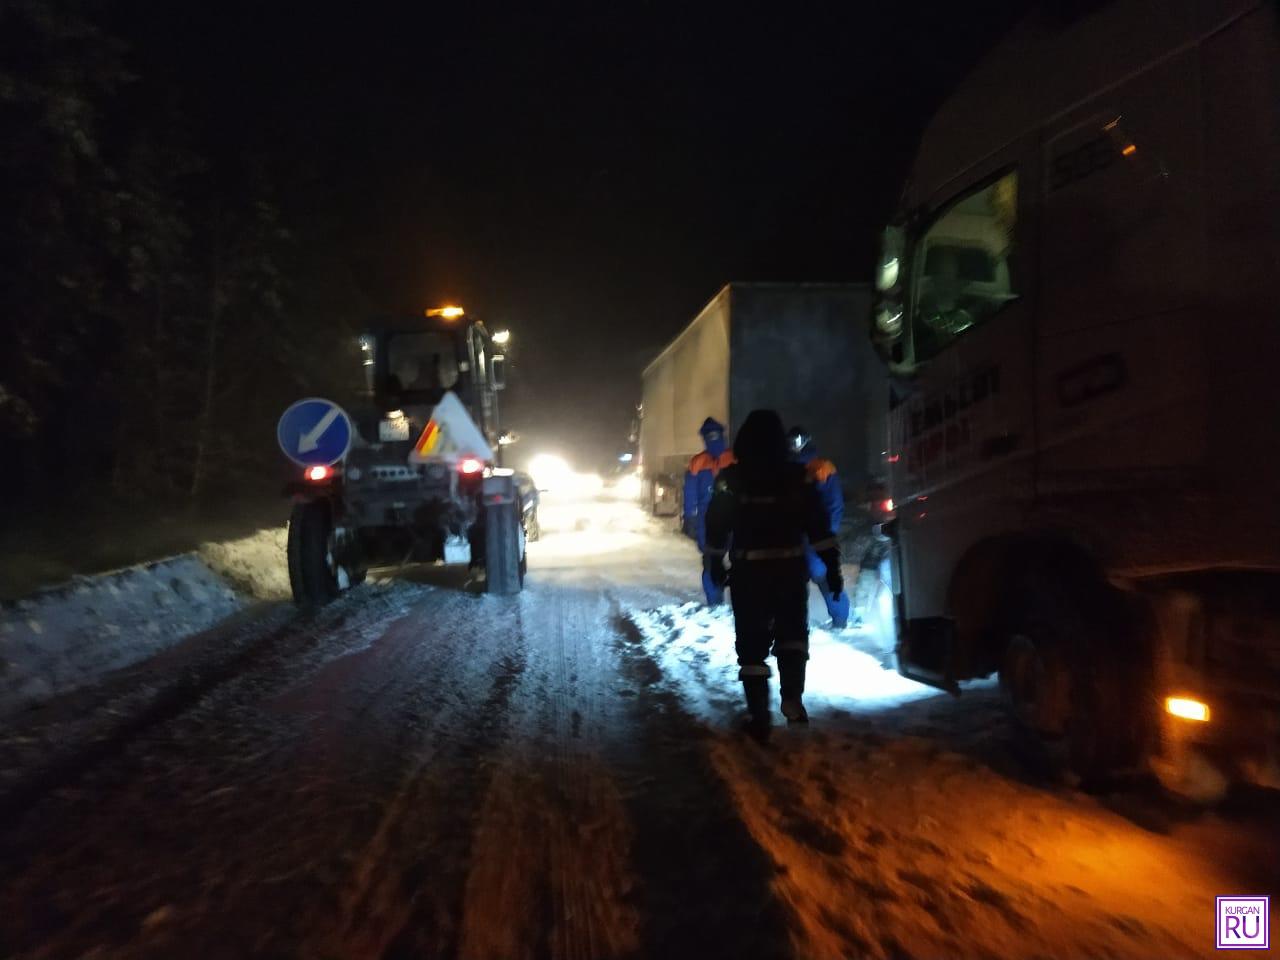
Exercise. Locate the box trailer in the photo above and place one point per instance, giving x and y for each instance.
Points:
(798, 348)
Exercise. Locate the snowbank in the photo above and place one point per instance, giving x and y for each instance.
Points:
(68, 636)
(255, 564)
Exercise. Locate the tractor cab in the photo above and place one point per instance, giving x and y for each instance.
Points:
(411, 363)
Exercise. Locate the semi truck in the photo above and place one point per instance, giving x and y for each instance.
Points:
(799, 348)
(1076, 305)
(422, 480)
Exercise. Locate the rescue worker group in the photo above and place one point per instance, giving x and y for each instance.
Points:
(771, 507)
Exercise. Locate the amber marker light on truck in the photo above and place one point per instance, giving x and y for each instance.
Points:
(449, 313)
(1187, 708)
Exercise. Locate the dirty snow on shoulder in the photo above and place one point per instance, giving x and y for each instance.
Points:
(65, 637)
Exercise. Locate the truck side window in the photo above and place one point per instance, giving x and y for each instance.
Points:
(961, 265)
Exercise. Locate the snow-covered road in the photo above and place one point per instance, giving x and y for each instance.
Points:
(423, 771)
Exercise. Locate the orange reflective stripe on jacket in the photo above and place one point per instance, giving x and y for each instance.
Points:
(819, 470)
(703, 461)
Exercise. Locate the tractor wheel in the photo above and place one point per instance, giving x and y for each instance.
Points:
(504, 549)
(312, 570)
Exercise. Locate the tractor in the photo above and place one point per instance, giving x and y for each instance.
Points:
(422, 480)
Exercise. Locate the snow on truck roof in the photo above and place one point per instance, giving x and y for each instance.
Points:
(1042, 69)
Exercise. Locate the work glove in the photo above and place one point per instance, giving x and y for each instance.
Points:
(835, 579)
(715, 568)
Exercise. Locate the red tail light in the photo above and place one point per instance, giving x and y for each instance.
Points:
(318, 474)
(886, 506)
(470, 465)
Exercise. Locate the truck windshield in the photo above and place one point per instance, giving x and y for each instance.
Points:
(962, 273)
(426, 361)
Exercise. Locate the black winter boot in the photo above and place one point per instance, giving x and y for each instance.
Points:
(791, 669)
(756, 690)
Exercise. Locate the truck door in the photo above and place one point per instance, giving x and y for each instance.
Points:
(1121, 389)
(962, 443)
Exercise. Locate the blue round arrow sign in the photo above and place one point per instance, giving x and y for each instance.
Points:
(315, 432)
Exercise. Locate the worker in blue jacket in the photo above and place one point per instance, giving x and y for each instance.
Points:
(822, 474)
(699, 481)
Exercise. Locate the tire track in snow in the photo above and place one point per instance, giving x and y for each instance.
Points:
(705, 886)
(402, 895)
(548, 875)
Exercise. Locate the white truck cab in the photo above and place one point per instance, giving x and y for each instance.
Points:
(1079, 304)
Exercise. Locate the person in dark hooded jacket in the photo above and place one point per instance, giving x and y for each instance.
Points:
(763, 512)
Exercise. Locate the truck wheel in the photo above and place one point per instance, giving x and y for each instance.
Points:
(504, 549)
(1036, 683)
(312, 570)
(1071, 682)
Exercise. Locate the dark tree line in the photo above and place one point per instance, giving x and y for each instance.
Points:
(159, 309)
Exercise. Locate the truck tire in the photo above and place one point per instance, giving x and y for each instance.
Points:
(1072, 680)
(312, 571)
(504, 559)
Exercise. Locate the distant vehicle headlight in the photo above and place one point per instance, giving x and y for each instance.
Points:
(549, 470)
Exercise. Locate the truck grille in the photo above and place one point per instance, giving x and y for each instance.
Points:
(393, 473)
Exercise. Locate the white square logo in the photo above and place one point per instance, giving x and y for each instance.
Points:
(1244, 923)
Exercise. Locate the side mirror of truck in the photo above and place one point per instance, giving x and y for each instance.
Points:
(498, 372)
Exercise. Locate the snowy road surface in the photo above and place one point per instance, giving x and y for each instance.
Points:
(423, 771)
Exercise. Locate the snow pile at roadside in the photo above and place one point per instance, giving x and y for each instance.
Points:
(254, 565)
(694, 646)
(63, 638)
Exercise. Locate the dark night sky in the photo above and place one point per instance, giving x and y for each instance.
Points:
(586, 175)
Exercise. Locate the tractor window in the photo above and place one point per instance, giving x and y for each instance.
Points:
(425, 361)
(962, 274)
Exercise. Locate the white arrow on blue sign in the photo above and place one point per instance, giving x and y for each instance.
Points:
(314, 432)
